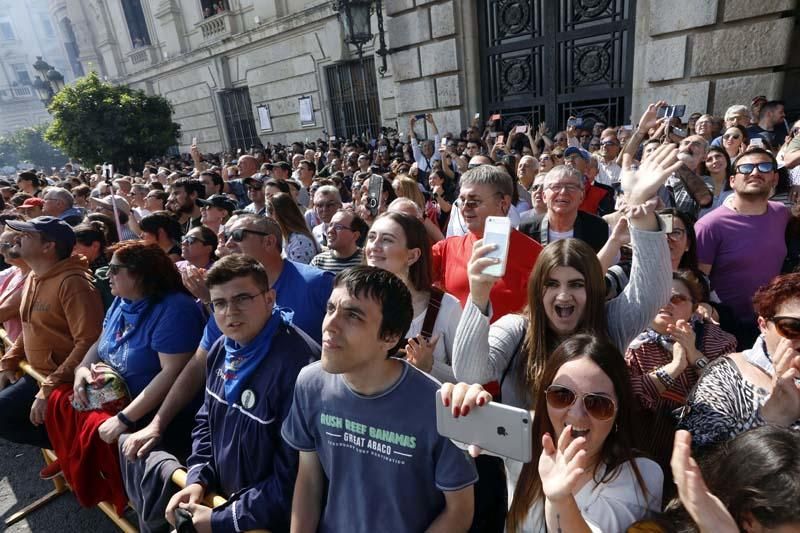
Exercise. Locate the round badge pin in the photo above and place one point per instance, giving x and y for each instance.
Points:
(248, 399)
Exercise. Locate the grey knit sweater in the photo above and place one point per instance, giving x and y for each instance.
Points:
(481, 353)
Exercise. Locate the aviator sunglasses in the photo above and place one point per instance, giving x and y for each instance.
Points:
(788, 326)
(598, 406)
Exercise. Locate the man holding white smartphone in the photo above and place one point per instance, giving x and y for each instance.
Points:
(485, 192)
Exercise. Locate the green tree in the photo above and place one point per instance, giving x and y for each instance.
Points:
(29, 145)
(98, 122)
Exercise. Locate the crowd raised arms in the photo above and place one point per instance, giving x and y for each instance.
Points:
(271, 330)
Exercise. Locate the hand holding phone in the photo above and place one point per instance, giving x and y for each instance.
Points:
(374, 195)
(497, 231)
(521, 129)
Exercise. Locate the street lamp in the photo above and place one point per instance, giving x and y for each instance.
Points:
(48, 82)
(355, 16)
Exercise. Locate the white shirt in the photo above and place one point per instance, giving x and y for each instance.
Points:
(608, 173)
(607, 508)
(445, 326)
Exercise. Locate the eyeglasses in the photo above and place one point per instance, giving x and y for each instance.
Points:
(609, 143)
(537, 187)
(254, 187)
(598, 406)
(339, 227)
(238, 235)
(748, 168)
(677, 299)
(788, 326)
(568, 187)
(237, 302)
(675, 234)
(462, 203)
(735, 136)
(544, 159)
(327, 205)
(114, 268)
(6, 245)
(191, 239)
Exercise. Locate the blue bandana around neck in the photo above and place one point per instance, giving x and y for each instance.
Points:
(242, 361)
(651, 335)
(131, 313)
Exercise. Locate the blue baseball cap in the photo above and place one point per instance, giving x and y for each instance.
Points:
(53, 228)
(572, 150)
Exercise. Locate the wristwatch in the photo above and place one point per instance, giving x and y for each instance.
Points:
(702, 362)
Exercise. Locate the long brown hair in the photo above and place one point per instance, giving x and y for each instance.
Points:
(617, 448)
(288, 216)
(540, 339)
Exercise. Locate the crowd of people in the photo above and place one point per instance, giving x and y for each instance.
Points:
(279, 321)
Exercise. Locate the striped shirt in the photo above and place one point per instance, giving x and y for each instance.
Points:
(326, 261)
(657, 430)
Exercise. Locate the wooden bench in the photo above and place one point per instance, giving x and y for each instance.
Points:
(61, 486)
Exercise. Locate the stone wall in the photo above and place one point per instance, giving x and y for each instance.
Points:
(710, 54)
(426, 64)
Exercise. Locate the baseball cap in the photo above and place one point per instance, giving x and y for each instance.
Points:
(32, 202)
(281, 164)
(218, 200)
(572, 150)
(53, 228)
(122, 203)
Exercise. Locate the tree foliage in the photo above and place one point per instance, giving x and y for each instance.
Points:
(28, 145)
(99, 122)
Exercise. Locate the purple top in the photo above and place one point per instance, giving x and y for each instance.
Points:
(744, 251)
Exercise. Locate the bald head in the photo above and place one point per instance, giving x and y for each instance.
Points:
(479, 160)
(247, 166)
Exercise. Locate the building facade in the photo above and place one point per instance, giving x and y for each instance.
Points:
(26, 31)
(244, 72)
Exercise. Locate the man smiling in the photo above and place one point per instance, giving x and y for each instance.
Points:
(365, 422)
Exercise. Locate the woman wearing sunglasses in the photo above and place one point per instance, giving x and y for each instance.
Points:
(666, 360)
(735, 141)
(789, 158)
(758, 386)
(198, 248)
(585, 474)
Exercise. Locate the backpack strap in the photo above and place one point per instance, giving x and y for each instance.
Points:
(434, 306)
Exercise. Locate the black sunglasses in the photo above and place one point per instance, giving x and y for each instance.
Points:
(238, 235)
(598, 406)
(191, 239)
(748, 168)
(788, 326)
(114, 268)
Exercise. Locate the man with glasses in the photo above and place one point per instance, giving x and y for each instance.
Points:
(250, 380)
(608, 168)
(741, 245)
(735, 115)
(58, 202)
(299, 288)
(485, 191)
(255, 193)
(563, 193)
(327, 200)
(62, 316)
(346, 233)
(598, 198)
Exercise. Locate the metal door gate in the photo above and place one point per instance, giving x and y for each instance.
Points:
(544, 60)
(237, 114)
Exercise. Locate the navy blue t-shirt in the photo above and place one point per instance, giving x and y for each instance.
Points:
(135, 332)
(301, 288)
(386, 464)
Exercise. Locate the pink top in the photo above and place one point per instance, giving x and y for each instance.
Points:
(12, 280)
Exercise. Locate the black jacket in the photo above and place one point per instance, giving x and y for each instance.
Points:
(588, 228)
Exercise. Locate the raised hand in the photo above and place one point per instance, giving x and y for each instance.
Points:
(480, 284)
(560, 467)
(706, 510)
(643, 184)
(650, 117)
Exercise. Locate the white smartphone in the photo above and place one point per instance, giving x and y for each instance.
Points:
(194, 141)
(497, 231)
(757, 141)
(495, 427)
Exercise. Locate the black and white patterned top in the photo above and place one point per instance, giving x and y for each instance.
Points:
(723, 405)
